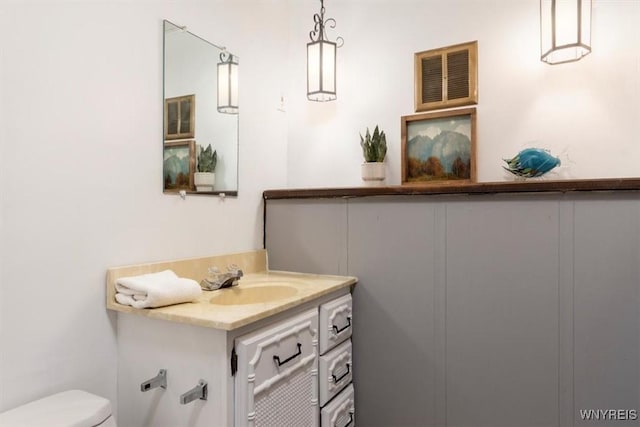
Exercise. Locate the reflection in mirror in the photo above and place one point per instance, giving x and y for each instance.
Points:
(192, 120)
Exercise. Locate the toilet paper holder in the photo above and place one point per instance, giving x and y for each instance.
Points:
(200, 391)
(159, 380)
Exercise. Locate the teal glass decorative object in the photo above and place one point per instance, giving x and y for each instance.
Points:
(531, 163)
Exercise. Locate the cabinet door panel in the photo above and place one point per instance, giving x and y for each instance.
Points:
(276, 381)
(188, 353)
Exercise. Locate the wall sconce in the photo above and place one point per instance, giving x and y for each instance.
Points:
(321, 60)
(565, 30)
(228, 83)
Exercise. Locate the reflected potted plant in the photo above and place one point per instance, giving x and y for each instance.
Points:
(205, 178)
(374, 150)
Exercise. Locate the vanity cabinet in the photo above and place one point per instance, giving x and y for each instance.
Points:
(256, 346)
(262, 374)
(288, 370)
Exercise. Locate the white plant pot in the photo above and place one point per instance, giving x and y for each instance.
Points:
(204, 181)
(373, 172)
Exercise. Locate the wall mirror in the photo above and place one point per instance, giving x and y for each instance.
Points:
(192, 119)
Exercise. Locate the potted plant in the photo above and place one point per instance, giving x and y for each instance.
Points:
(374, 149)
(205, 177)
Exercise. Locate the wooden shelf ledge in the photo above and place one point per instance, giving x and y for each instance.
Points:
(537, 186)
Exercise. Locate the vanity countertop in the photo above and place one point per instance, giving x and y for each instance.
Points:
(215, 309)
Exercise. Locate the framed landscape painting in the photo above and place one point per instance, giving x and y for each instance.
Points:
(179, 166)
(439, 148)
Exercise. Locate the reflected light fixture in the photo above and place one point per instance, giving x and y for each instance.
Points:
(321, 60)
(565, 30)
(228, 83)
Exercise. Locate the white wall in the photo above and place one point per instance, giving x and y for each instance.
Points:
(81, 139)
(586, 112)
(81, 168)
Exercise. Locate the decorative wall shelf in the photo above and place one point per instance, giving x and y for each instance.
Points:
(565, 186)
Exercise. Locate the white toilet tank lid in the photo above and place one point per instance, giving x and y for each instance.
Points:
(73, 408)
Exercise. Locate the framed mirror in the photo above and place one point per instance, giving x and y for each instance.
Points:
(192, 118)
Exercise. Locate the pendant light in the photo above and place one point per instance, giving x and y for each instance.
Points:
(321, 60)
(228, 83)
(565, 30)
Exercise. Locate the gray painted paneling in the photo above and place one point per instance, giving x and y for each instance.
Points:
(391, 250)
(480, 311)
(607, 307)
(566, 415)
(502, 313)
(308, 236)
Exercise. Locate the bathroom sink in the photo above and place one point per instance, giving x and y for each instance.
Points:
(253, 294)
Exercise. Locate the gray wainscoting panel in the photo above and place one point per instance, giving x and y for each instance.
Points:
(502, 313)
(566, 415)
(478, 311)
(391, 250)
(607, 307)
(308, 236)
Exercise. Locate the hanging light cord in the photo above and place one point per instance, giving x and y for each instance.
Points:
(319, 29)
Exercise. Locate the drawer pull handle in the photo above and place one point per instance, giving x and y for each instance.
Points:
(338, 330)
(350, 420)
(290, 358)
(336, 380)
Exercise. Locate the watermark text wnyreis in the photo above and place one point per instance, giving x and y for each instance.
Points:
(608, 414)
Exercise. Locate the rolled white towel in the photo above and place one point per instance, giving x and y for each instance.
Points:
(156, 290)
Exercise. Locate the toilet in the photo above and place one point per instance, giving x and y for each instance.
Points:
(72, 408)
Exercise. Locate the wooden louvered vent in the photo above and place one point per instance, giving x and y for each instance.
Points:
(446, 77)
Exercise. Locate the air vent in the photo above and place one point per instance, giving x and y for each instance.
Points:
(446, 77)
(432, 79)
(458, 74)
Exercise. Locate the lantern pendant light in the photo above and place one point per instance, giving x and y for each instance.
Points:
(228, 83)
(321, 60)
(565, 30)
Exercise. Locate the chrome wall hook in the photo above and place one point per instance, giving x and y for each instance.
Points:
(159, 380)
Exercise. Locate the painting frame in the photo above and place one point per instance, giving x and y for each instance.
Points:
(428, 136)
(179, 117)
(184, 179)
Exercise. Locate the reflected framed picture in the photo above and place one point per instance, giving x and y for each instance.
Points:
(439, 147)
(179, 166)
(179, 117)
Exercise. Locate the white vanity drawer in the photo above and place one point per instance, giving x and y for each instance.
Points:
(340, 412)
(335, 371)
(336, 322)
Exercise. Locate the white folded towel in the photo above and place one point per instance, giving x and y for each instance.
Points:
(156, 290)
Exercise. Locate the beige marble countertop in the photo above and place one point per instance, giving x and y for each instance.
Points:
(210, 309)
